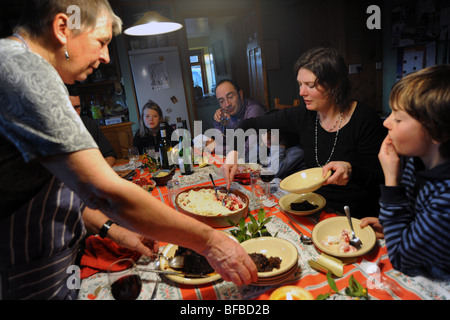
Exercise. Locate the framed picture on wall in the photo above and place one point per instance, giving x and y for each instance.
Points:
(219, 58)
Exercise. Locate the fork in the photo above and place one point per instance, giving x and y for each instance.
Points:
(225, 197)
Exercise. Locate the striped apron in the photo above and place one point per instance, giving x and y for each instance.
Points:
(38, 243)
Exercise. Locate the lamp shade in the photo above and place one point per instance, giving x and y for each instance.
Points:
(152, 23)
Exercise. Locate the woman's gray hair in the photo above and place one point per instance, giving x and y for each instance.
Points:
(37, 16)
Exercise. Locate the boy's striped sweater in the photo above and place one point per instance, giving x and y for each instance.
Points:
(416, 220)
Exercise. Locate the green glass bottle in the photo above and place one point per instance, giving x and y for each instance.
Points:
(185, 156)
(165, 149)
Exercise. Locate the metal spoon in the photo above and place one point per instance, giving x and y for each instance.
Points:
(214, 185)
(303, 238)
(354, 241)
(175, 262)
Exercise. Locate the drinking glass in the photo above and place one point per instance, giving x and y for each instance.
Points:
(224, 120)
(173, 188)
(267, 176)
(257, 188)
(133, 155)
(124, 280)
(150, 151)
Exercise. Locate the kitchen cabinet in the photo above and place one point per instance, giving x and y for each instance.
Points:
(104, 91)
(120, 136)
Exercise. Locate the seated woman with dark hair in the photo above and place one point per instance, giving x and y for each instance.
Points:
(336, 133)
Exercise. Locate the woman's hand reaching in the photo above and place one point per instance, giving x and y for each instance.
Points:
(229, 167)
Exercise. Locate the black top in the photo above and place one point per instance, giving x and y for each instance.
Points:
(103, 144)
(358, 143)
(149, 140)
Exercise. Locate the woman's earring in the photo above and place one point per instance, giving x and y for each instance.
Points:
(66, 54)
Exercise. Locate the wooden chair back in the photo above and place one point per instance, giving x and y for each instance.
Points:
(278, 105)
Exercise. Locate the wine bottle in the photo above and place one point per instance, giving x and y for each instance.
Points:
(165, 149)
(185, 157)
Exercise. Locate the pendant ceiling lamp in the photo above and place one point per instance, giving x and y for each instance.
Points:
(152, 23)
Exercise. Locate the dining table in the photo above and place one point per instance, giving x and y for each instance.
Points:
(372, 270)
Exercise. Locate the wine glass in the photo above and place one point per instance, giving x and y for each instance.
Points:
(133, 155)
(224, 120)
(124, 280)
(267, 175)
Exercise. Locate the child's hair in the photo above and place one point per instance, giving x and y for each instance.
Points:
(142, 131)
(425, 96)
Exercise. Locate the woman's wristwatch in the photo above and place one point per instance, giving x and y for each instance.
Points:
(105, 228)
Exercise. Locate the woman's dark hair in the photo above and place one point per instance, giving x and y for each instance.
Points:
(330, 69)
(143, 130)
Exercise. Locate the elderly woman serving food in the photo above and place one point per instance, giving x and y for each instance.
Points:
(50, 165)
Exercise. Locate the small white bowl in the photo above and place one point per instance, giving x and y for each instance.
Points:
(304, 181)
(313, 198)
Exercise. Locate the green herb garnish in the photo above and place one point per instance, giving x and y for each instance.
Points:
(355, 289)
(254, 229)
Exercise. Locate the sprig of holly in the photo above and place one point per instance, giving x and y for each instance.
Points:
(355, 289)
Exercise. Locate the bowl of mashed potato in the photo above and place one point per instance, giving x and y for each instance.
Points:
(202, 204)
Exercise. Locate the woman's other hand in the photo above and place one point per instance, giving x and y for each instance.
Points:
(132, 240)
(342, 172)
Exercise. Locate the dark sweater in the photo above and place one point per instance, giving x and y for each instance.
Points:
(149, 140)
(358, 143)
(103, 144)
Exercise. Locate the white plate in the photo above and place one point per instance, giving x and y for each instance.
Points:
(169, 252)
(333, 227)
(273, 247)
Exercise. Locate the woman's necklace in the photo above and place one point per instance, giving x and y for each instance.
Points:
(334, 127)
(339, 120)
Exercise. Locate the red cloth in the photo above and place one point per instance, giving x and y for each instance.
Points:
(100, 253)
(326, 215)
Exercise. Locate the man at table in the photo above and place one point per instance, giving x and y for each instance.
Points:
(95, 221)
(103, 144)
(231, 100)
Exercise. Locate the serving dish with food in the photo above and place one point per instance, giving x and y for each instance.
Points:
(161, 177)
(202, 204)
(243, 172)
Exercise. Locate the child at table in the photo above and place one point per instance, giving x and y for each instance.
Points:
(415, 202)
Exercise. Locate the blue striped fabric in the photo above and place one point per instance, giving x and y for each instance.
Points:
(416, 221)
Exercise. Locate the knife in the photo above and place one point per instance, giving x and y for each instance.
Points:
(129, 176)
(182, 274)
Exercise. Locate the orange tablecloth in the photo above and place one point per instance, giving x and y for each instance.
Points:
(396, 285)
